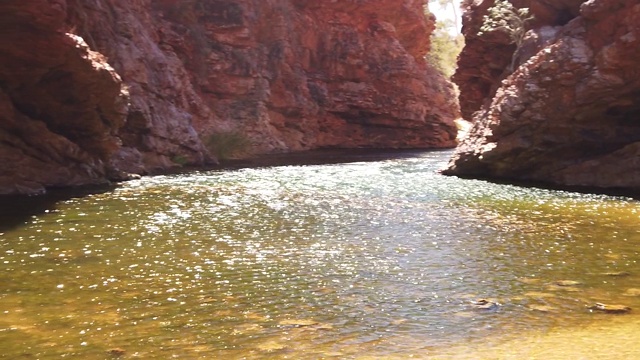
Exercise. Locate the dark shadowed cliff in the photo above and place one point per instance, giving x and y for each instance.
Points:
(570, 112)
(93, 90)
(61, 104)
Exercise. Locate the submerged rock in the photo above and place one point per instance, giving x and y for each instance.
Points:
(247, 329)
(117, 352)
(539, 295)
(484, 304)
(529, 281)
(567, 283)
(632, 292)
(617, 273)
(542, 308)
(564, 288)
(298, 322)
(271, 346)
(610, 309)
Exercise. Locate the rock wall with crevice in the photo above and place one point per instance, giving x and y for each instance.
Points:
(95, 90)
(298, 75)
(570, 112)
(61, 104)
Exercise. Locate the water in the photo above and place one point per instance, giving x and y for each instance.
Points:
(372, 259)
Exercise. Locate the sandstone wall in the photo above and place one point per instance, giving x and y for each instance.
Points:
(298, 75)
(61, 104)
(570, 113)
(95, 89)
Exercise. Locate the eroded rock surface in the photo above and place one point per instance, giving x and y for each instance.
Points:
(299, 75)
(570, 113)
(61, 104)
(158, 132)
(485, 60)
(93, 90)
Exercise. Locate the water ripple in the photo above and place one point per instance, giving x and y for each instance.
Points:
(382, 258)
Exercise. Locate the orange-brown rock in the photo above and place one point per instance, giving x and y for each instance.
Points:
(299, 75)
(95, 89)
(61, 104)
(485, 60)
(158, 133)
(568, 115)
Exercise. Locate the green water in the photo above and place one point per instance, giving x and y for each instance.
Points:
(371, 259)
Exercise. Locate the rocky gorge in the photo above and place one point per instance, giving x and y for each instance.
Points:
(357, 253)
(569, 113)
(97, 90)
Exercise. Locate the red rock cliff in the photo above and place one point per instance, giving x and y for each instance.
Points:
(298, 75)
(95, 89)
(61, 104)
(569, 114)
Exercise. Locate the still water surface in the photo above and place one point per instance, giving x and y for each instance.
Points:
(371, 259)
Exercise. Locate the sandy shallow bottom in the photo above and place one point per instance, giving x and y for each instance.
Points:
(615, 337)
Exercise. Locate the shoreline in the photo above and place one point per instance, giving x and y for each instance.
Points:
(310, 157)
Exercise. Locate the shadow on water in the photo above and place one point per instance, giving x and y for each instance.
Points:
(359, 261)
(321, 157)
(342, 156)
(16, 209)
(612, 191)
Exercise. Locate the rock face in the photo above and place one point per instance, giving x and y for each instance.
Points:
(485, 60)
(163, 105)
(92, 90)
(570, 112)
(297, 75)
(61, 104)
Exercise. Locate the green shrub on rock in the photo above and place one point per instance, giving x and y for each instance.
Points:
(228, 145)
(506, 18)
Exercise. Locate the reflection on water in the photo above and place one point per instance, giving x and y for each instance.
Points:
(379, 259)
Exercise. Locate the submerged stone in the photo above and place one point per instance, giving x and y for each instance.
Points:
(464, 314)
(117, 352)
(484, 304)
(617, 273)
(541, 295)
(246, 329)
(568, 283)
(271, 346)
(529, 281)
(610, 309)
(542, 308)
(632, 292)
(563, 288)
(298, 322)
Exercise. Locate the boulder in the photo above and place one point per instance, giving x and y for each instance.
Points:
(568, 114)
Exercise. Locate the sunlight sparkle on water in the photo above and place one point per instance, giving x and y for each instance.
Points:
(376, 259)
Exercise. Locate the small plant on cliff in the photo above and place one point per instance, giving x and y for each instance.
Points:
(180, 160)
(228, 145)
(506, 18)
